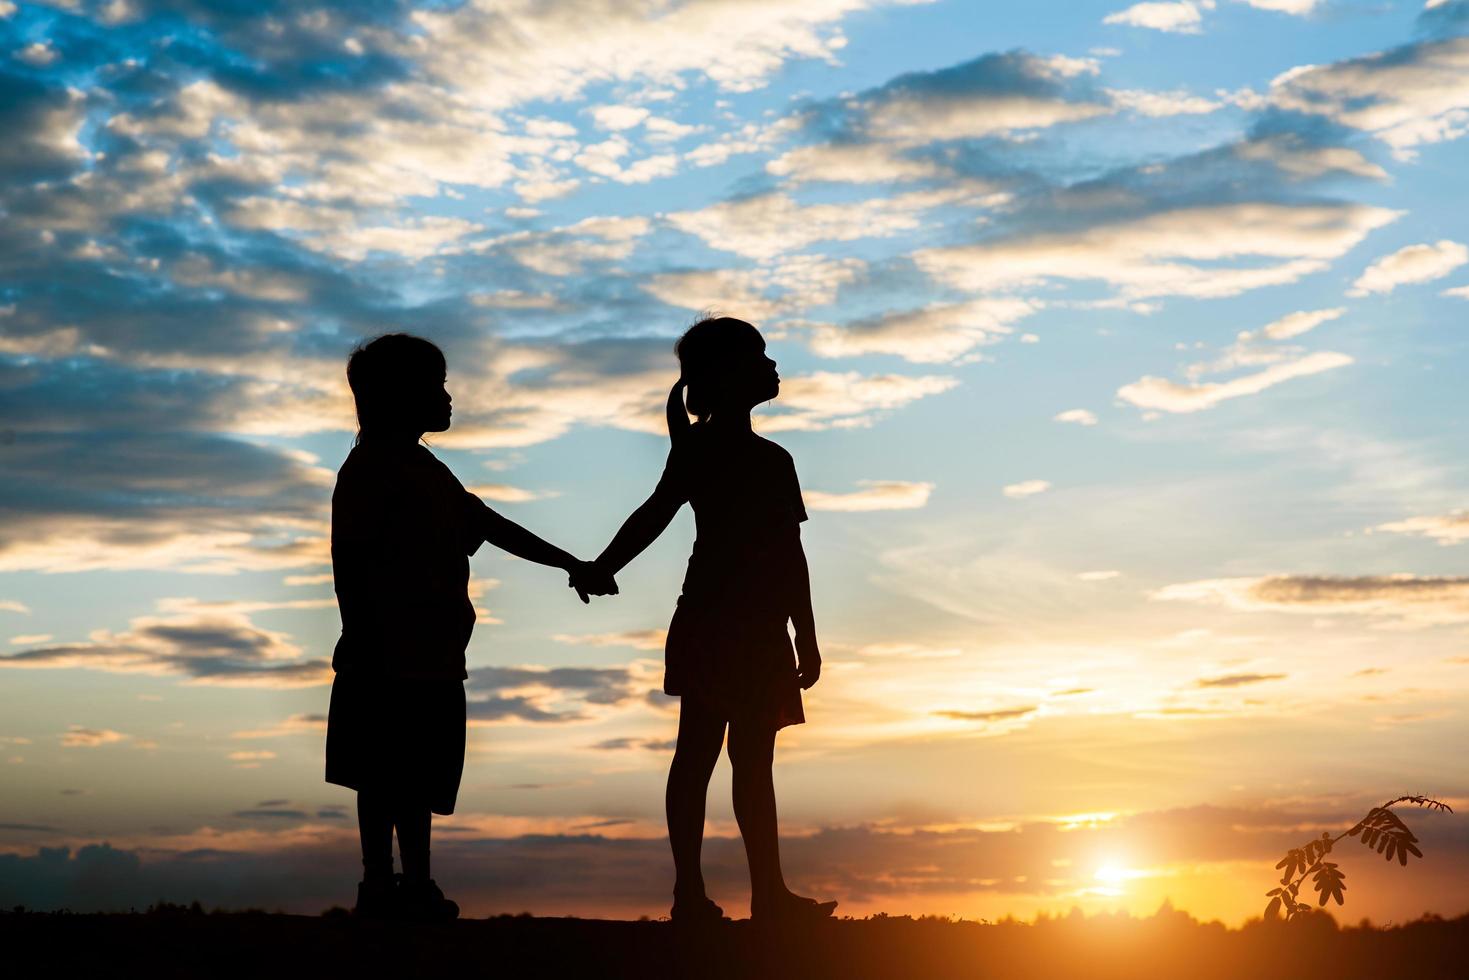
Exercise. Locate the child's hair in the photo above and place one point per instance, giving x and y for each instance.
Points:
(382, 371)
(704, 348)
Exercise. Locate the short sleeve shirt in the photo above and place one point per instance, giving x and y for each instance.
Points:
(747, 507)
(403, 528)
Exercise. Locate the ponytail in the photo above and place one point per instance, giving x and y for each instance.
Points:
(677, 414)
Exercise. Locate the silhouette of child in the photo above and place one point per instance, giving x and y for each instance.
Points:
(403, 528)
(728, 654)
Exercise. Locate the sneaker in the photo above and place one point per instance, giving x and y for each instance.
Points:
(376, 899)
(423, 901)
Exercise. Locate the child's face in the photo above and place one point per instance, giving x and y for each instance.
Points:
(758, 378)
(434, 406)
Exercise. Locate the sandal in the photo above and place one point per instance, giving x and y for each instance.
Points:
(793, 909)
(696, 912)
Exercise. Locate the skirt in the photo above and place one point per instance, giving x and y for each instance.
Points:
(399, 736)
(738, 662)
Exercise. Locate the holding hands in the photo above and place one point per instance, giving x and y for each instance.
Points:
(589, 579)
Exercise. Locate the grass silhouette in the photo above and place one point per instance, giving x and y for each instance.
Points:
(181, 941)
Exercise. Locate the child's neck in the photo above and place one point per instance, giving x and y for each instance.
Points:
(733, 420)
(392, 437)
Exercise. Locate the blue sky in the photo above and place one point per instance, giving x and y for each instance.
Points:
(1122, 349)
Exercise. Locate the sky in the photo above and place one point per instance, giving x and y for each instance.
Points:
(1122, 351)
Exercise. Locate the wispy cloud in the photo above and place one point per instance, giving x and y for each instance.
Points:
(1402, 600)
(218, 647)
(1173, 16)
(1406, 96)
(874, 495)
(934, 334)
(1237, 680)
(1172, 396)
(1026, 488)
(1411, 264)
(1184, 251)
(82, 737)
(1446, 529)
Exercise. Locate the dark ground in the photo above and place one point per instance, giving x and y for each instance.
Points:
(176, 943)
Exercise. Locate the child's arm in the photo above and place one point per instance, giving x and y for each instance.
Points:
(509, 536)
(641, 529)
(808, 655)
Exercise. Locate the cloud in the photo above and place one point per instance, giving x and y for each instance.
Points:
(907, 651)
(1299, 322)
(300, 724)
(567, 251)
(550, 694)
(514, 299)
(1175, 16)
(1237, 680)
(625, 742)
(988, 96)
(536, 391)
(78, 495)
(27, 639)
(1026, 488)
(1158, 104)
(218, 647)
(764, 226)
(1446, 529)
(504, 493)
(1412, 264)
(649, 639)
(81, 737)
(1164, 395)
(852, 163)
(1460, 292)
(1181, 251)
(828, 399)
(1406, 96)
(1003, 714)
(1300, 159)
(874, 495)
(1079, 416)
(932, 334)
(1296, 8)
(38, 54)
(1400, 600)
(12, 605)
(787, 286)
(270, 813)
(618, 116)
(43, 125)
(499, 55)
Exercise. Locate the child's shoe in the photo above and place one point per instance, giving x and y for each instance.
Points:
(376, 899)
(422, 901)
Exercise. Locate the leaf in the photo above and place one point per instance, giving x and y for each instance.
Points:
(1330, 882)
(1273, 909)
(1294, 862)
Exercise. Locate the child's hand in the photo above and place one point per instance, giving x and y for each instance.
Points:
(589, 579)
(808, 661)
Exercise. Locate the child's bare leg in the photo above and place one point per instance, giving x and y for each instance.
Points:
(700, 737)
(752, 755)
(375, 827)
(414, 823)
